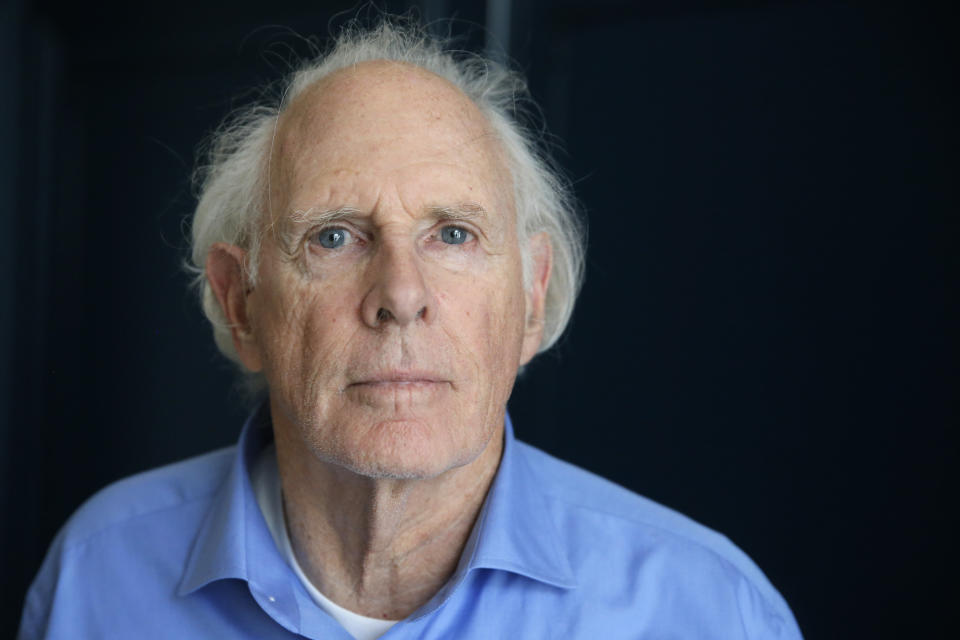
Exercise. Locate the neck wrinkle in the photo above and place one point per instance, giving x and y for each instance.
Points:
(381, 547)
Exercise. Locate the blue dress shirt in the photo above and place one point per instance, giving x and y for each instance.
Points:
(184, 552)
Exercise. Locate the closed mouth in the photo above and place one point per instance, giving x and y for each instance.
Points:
(402, 379)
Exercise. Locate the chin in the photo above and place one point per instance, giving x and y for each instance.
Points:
(407, 449)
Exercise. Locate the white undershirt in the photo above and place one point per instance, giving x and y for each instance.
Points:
(265, 478)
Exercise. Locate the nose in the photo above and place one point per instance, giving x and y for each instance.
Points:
(399, 293)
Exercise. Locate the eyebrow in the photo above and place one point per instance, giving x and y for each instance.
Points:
(464, 211)
(314, 216)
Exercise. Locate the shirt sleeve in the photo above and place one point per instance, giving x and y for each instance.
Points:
(765, 616)
(38, 602)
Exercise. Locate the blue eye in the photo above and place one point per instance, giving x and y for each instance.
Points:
(454, 235)
(333, 238)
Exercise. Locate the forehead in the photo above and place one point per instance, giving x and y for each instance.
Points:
(385, 125)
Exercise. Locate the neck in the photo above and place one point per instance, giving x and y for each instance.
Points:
(380, 547)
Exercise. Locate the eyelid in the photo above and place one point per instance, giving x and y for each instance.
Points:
(459, 224)
(311, 237)
(436, 235)
(336, 224)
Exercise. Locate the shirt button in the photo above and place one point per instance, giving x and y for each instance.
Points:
(271, 599)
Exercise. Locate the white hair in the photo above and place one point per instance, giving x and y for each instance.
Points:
(233, 187)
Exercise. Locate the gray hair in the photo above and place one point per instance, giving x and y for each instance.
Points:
(233, 187)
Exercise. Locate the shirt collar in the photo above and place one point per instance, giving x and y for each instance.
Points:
(514, 531)
(234, 540)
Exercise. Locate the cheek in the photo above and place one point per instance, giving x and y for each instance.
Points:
(489, 317)
(299, 329)
(504, 342)
(281, 328)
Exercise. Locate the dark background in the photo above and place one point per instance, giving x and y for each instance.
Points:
(764, 341)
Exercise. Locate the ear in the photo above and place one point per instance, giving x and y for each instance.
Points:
(541, 256)
(226, 276)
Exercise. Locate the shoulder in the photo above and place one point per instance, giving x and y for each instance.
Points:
(594, 498)
(617, 539)
(578, 488)
(163, 489)
(143, 525)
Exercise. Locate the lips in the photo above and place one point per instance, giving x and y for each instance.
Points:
(399, 379)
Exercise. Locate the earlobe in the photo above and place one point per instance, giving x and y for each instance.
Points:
(541, 256)
(226, 275)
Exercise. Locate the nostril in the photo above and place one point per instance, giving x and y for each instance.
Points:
(383, 315)
(422, 312)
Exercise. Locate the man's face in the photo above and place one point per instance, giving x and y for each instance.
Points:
(389, 315)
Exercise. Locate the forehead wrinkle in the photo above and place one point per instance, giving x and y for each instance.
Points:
(324, 126)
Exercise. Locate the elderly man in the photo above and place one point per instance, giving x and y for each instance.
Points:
(381, 252)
